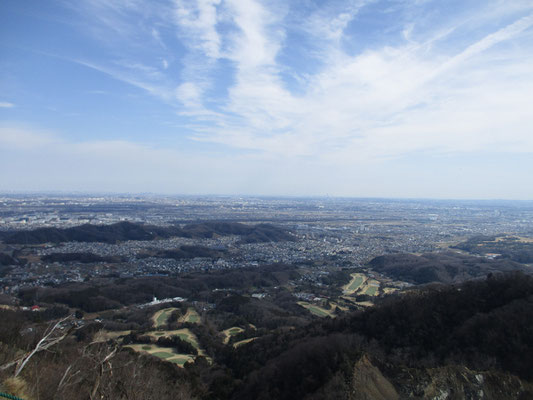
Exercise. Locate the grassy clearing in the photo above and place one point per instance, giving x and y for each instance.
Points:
(238, 344)
(520, 239)
(371, 288)
(180, 359)
(183, 334)
(164, 353)
(390, 290)
(104, 336)
(316, 310)
(228, 333)
(160, 318)
(191, 316)
(335, 305)
(354, 302)
(354, 284)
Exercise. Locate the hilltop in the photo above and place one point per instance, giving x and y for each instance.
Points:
(123, 231)
(443, 267)
(426, 336)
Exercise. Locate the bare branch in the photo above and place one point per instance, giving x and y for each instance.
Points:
(52, 336)
(101, 371)
(64, 377)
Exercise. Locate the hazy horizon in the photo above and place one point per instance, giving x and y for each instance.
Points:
(359, 99)
(163, 195)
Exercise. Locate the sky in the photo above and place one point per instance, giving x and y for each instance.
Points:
(365, 98)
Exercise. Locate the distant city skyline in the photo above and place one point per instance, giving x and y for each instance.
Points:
(366, 98)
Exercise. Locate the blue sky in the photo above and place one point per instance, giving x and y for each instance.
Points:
(304, 97)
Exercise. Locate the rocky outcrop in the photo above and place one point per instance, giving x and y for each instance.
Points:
(370, 384)
(443, 383)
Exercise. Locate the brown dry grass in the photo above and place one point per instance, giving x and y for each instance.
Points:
(16, 387)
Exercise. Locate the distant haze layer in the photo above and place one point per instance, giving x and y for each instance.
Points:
(345, 98)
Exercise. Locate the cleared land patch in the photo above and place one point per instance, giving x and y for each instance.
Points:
(365, 303)
(243, 342)
(335, 305)
(191, 316)
(183, 334)
(354, 284)
(164, 353)
(228, 333)
(370, 288)
(316, 310)
(390, 290)
(104, 336)
(520, 239)
(160, 318)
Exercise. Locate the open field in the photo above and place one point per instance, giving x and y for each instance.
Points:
(190, 316)
(354, 284)
(390, 290)
(243, 342)
(164, 353)
(104, 336)
(365, 303)
(370, 288)
(160, 318)
(352, 301)
(318, 311)
(520, 239)
(228, 333)
(342, 308)
(183, 334)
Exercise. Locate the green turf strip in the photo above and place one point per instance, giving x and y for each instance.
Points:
(358, 281)
(163, 354)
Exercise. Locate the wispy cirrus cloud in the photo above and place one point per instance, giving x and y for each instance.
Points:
(376, 103)
(142, 77)
(197, 24)
(357, 97)
(16, 137)
(453, 83)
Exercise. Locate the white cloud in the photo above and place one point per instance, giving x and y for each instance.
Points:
(452, 88)
(136, 75)
(17, 137)
(124, 166)
(329, 23)
(385, 102)
(6, 104)
(189, 94)
(116, 165)
(198, 20)
(257, 44)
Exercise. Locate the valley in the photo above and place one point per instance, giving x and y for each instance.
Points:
(214, 303)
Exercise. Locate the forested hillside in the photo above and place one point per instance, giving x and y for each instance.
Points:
(456, 339)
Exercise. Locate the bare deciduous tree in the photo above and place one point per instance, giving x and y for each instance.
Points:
(52, 336)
